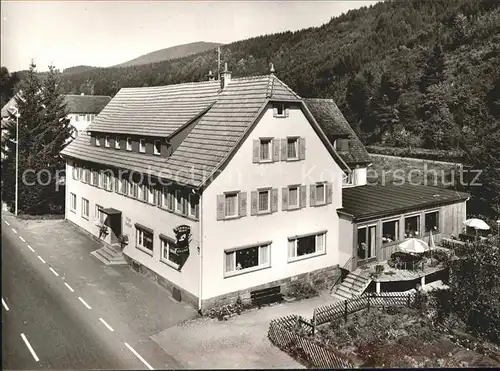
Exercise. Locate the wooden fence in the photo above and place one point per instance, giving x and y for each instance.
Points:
(343, 308)
(285, 333)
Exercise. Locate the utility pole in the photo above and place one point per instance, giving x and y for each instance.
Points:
(218, 62)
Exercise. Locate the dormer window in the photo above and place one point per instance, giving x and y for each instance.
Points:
(129, 144)
(97, 141)
(117, 143)
(142, 145)
(157, 147)
(106, 142)
(348, 179)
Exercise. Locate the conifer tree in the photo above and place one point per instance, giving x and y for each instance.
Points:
(434, 70)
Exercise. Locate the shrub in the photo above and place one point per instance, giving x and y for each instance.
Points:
(302, 290)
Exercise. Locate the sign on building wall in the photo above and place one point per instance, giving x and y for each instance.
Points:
(181, 247)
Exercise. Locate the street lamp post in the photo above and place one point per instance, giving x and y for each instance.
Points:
(498, 231)
(17, 157)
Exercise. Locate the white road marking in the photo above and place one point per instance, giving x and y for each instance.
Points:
(69, 287)
(53, 271)
(41, 259)
(31, 248)
(105, 324)
(30, 347)
(84, 303)
(22, 239)
(139, 356)
(6, 222)
(5, 305)
(13, 230)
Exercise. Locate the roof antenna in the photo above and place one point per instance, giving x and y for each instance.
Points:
(272, 69)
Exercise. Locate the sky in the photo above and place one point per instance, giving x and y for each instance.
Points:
(106, 33)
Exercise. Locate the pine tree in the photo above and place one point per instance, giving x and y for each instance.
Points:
(43, 130)
(434, 71)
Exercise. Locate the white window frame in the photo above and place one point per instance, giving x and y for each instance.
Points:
(426, 232)
(290, 206)
(142, 145)
(191, 198)
(367, 228)
(139, 241)
(382, 230)
(106, 141)
(97, 141)
(83, 208)
(117, 143)
(269, 152)
(72, 202)
(259, 211)
(237, 198)
(177, 204)
(348, 179)
(231, 254)
(292, 247)
(316, 202)
(165, 247)
(151, 197)
(296, 140)
(419, 223)
(155, 150)
(129, 144)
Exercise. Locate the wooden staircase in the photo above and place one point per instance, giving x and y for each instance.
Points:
(353, 285)
(109, 255)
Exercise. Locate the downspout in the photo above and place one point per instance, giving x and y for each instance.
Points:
(200, 245)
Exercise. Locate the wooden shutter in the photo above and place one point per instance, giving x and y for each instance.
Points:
(185, 203)
(274, 200)
(275, 111)
(302, 148)
(197, 208)
(256, 154)
(284, 148)
(254, 205)
(312, 188)
(328, 191)
(287, 112)
(276, 150)
(170, 199)
(117, 184)
(284, 198)
(303, 196)
(221, 200)
(111, 183)
(155, 196)
(242, 204)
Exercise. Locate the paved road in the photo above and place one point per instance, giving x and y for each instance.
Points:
(45, 325)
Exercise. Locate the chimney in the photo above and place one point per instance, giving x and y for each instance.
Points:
(210, 76)
(225, 77)
(272, 71)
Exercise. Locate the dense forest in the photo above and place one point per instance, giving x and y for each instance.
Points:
(405, 73)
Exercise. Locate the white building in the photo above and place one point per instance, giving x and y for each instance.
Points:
(241, 188)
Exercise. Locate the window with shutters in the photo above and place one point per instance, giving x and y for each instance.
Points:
(320, 194)
(293, 197)
(306, 246)
(72, 202)
(179, 200)
(129, 144)
(265, 150)
(231, 205)
(144, 239)
(279, 110)
(106, 142)
(247, 259)
(142, 145)
(95, 178)
(168, 198)
(144, 192)
(117, 143)
(151, 194)
(98, 214)
(97, 141)
(264, 201)
(85, 208)
(293, 148)
(106, 180)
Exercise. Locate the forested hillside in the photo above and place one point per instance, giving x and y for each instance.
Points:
(407, 73)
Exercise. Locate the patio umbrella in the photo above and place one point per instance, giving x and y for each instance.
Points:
(476, 224)
(413, 245)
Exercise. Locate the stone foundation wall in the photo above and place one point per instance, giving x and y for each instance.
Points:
(177, 292)
(320, 279)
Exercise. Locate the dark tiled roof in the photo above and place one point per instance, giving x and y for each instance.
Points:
(208, 144)
(334, 124)
(86, 103)
(373, 201)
